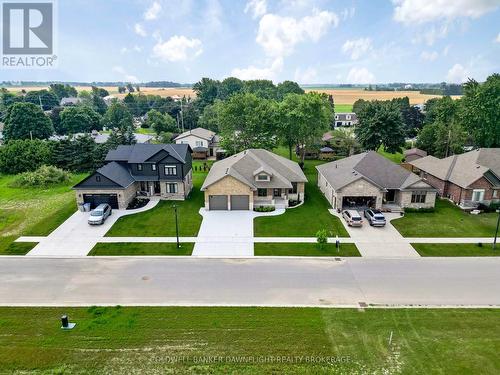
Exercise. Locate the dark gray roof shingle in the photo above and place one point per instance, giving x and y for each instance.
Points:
(139, 153)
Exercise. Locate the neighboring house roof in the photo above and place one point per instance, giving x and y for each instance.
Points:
(326, 137)
(245, 165)
(415, 151)
(342, 116)
(371, 166)
(463, 169)
(116, 172)
(103, 137)
(141, 152)
(200, 149)
(70, 101)
(198, 132)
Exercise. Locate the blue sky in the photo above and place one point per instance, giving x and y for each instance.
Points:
(310, 41)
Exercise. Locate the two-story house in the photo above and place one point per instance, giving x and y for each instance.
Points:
(162, 170)
(253, 178)
(345, 119)
(203, 142)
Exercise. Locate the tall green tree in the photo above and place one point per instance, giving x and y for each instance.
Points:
(25, 121)
(24, 155)
(62, 91)
(160, 123)
(46, 99)
(247, 121)
(262, 88)
(81, 119)
(209, 119)
(117, 116)
(229, 86)
(288, 87)
(207, 90)
(380, 124)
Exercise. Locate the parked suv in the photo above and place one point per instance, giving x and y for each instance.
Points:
(375, 217)
(353, 218)
(99, 214)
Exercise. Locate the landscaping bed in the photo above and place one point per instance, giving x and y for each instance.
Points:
(305, 249)
(141, 248)
(456, 249)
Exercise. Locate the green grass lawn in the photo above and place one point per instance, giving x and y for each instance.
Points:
(306, 220)
(396, 158)
(305, 249)
(214, 340)
(160, 220)
(33, 211)
(343, 108)
(447, 221)
(143, 248)
(9, 247)
(456, 250)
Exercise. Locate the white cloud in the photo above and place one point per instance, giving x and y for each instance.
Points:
(421, 11)
(177, 48)
(497, 39)
(457, 74)
(257, 7)
(278, 35)
(253, 72)
(306, 76)
(359, 76)
(446, 50)
(153, 11)
(139, 30)
(357, 48)
(133, 49)
(347, 13)
(429, 55)
(125, 76)
(430, 36)
(213, 15)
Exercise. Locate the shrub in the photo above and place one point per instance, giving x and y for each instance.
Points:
(264, 209)
(293, 203)
(420, 210)
(321, 238)
(137, 203)
(46, 175)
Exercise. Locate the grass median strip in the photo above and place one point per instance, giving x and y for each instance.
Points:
(141, 248)
(246, 340)
(8, 247)
(456, 249)
(305, 249)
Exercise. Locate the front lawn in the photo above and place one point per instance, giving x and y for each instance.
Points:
(456, 250)
(141, 248)
(305, 249)
(249, 340)
(160, 220)
(447, 221)
(9, 247)
(306, 220)
(396, 158)
(33, 211)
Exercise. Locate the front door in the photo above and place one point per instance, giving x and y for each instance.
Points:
(157, 187)
(276, 193)
(390, 196)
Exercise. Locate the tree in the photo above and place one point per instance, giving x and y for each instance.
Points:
(117, 116)
(229, 86)
(47, 100)
(98, 104)
(99, 91)
(288, 87)
(62, 91)
(55, 118)
(480, 111)
(130, 88)
(25, 121)
(358, 105)
(6, 99)
(131, 103)
(207, 90)
(122, 89)
(247, 121)
(303, 119)
(80, 119)
(159, 122)
(23, 155)
(380, 124)
(209, 119)
(261, 87)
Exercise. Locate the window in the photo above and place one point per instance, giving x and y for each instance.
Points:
(293, 190)
(172, 188)
(199, 143)
(170, 170)
(153, 167)
(263, 177)
(262, 192)
(98, 178)
(139, 167)
(418, 196)
(495, 193)
(477, 195)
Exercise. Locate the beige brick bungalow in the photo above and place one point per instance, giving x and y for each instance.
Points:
(253, 178)
(370, 180)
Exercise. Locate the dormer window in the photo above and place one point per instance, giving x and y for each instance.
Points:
(263, 177)
(139, 167)
(98, 178)
(153, 167)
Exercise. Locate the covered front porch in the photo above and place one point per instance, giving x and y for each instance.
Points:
(275, 197)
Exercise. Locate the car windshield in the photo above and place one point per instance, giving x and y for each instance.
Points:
(96, 213)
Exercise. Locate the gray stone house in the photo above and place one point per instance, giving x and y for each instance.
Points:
(370, 180)
(162, 170)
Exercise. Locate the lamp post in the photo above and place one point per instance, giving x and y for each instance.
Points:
(176, 226)
(496, 232)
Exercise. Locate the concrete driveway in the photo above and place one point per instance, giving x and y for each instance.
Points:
(75, 237)
(379, 242)
(227, 233)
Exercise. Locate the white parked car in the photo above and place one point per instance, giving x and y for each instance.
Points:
(99, 215)
(353, 218)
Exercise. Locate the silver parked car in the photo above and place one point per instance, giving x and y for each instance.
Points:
(99, 214)
(353, 218)
(375, 217)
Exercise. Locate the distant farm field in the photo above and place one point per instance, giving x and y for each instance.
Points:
(341, 96)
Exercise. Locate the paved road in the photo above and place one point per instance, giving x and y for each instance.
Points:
(257, 281)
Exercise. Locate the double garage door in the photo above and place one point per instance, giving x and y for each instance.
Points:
(220, 202)
(96, 199)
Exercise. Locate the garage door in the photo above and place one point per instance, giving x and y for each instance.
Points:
(217, 202)
(239, 202)
(96, 199)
